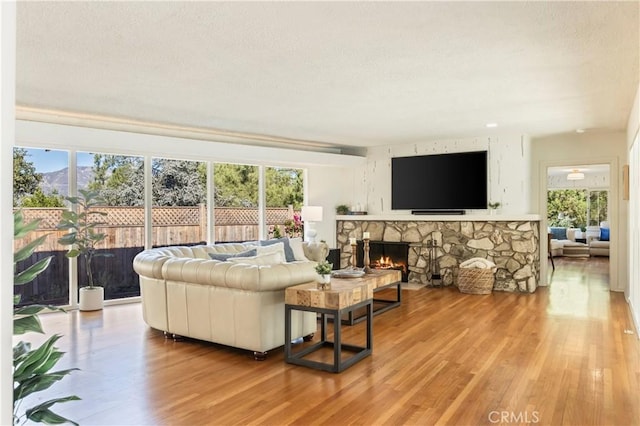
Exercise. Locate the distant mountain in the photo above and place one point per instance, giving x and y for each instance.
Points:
(60, 180)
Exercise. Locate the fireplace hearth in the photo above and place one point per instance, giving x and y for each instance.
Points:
(386, 255)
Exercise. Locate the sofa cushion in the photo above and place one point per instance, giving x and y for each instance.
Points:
(277, 248)
(288, 252)
(226, 256)
(558, 233)
(599, 244)
(297, 249)
(604, 234)
(261, 259)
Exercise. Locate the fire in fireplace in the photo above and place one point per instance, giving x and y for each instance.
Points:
(386, 255)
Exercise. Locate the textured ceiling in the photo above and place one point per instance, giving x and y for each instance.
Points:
(342, 73)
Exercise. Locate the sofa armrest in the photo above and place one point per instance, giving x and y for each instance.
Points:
(315, 251)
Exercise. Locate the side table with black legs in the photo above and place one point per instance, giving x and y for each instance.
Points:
(343, 297)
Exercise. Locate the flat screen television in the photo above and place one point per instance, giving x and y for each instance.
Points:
(443, 182)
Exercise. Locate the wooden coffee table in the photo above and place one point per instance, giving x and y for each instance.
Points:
(381, 279)
(346, 296)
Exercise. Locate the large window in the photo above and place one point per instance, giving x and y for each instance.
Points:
(236, 202)
(284, 198)
(598, 207)
(179, 211)
(179, 202)
(119, 180)
(40, 180)
(576, 208)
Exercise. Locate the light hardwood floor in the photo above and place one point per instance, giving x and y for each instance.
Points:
(559, 356)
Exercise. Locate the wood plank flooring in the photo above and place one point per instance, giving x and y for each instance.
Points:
(559, 356)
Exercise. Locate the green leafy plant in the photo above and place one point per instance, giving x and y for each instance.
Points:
(82, 236)
(324, 267)
(494, 204)
(276, 232)
(342, 209)
(31, 366)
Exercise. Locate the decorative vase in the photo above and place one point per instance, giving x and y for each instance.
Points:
(91, 298)
(324, 281)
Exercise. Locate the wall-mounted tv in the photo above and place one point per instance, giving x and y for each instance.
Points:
(442, 182)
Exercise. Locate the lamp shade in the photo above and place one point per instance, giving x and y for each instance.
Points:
(312, 213)
(575, 175)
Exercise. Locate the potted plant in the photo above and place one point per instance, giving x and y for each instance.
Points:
(494, 206)
(342, 209)
(323, 269)
(83, 238)
(32, 366)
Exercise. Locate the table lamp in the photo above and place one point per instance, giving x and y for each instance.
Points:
(311, 214)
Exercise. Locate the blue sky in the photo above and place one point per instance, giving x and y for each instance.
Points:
(53, 160)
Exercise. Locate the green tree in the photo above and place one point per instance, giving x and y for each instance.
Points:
(283, 187)
(120, 182)
(40, 199)
(119, 179)
(236, 185)
(25, 178)
(177, 183)
(567, 207)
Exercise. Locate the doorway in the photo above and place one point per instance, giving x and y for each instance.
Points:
(578, 206)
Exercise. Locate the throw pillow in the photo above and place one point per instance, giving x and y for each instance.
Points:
(296, 248)
(261, 259)
(288, 253)
(604, 234)
(273, 248)
(226, 256)
(558, 233)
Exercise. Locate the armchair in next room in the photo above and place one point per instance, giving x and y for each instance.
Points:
(598, 239)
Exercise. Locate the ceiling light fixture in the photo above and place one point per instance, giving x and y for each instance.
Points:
(575, 175)
(490, 125)
(579, 130)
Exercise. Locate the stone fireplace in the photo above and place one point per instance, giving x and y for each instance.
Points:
(512, 243)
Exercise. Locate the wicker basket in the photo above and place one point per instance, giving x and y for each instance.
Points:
(475, 280)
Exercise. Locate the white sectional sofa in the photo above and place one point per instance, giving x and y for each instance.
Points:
(237, 302)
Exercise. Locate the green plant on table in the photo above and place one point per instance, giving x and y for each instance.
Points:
(31, 366)
(82, 236)
(342, 209)
(324, 267)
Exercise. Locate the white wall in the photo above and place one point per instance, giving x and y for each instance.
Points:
(7, 118)
(633, 143)
(329, 187)
(584, 149)
(508, 169)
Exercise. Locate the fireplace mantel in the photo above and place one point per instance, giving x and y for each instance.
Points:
(442, 217)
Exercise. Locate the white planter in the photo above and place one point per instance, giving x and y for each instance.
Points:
(91, 298)
(324, 281)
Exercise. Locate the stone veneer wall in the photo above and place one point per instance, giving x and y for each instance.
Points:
(512, 245)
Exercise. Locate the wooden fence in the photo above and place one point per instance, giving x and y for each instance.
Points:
(171, 225)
